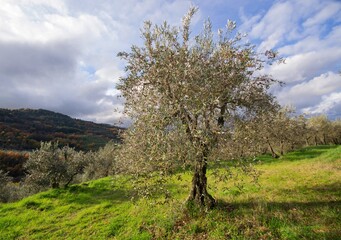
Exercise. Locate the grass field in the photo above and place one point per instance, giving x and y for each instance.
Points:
(298, 197)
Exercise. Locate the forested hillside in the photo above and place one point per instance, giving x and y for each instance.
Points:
(24, 129)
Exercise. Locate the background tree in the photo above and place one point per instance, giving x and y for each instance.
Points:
(186, 95)
(336, 131)
(51, 166)
(102, 162)
(319, 128)
(280, 131)
(298, 132)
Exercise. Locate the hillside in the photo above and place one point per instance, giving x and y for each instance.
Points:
(298, 197)
(24, 129)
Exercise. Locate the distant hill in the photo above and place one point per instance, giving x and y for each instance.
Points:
(24, 129)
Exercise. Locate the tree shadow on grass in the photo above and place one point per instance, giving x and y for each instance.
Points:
(304, 220)
(84, 194)
(324, 209)
(283, 206)
(324, 193)
(334, 188)
(328, 196)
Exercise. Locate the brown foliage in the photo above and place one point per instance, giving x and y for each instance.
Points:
(12, 163)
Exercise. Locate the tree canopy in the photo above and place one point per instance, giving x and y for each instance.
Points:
(189, 97)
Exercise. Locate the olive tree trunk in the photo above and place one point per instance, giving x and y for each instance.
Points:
(199, 194)
(273, 153)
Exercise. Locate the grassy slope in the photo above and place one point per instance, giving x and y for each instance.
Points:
(299, 198)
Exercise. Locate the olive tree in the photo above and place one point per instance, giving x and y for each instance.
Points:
(280, 131)
(320, 127)
(336, 131)
(102, 162)
(186, 95)
(51, 166)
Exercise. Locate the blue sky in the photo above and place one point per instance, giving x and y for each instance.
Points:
(61, 54)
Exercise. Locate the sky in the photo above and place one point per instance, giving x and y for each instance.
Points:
(60, 55)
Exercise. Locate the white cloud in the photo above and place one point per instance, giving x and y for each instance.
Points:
(272, 27)
(311, 92)
(48, 4)
(330, 104)
(308, 57)
(307, 34)
(314, 43)
(303, 66)
(291, 20)
(330, 10)
(61, 55)
(20, 26)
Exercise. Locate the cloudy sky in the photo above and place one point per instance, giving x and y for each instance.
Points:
(60, 55)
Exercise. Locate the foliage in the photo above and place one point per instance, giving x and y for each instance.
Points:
(323, 131)
(280, 131)
(188, 96)
(284, 131)
(55, 166)
(12, 162)
(4, 191)
(335, 135)
(51, 166)
(298, 198)
(24, 129)
(102, 162)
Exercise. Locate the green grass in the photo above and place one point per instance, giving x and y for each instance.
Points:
(298, 197)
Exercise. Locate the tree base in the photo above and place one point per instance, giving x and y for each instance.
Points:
(202, 201)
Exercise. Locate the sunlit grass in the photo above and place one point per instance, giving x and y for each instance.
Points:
(298, 197)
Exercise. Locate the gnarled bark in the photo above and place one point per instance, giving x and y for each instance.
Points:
(199, 194)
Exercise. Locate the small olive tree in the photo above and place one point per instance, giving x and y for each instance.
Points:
(102, 162)
(186, 96)
(51, 166)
